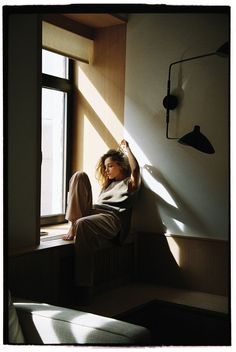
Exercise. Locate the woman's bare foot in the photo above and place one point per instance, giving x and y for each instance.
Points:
(71, 233)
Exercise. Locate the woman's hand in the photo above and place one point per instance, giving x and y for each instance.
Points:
(124, 145)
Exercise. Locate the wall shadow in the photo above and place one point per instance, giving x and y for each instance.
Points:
(182, 212)
(145, 211)
(155, 261)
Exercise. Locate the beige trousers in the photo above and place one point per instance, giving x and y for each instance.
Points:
(95, 228)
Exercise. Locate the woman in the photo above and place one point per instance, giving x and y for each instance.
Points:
(119, 175)
(92, 226)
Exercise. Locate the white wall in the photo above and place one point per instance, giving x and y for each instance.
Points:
(185, 191)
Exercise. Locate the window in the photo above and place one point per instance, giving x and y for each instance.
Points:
(54, 64)
(53, 151)
(56, 97)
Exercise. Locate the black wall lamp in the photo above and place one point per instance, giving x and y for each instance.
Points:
(195, 138)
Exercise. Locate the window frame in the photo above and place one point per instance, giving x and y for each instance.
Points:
(64, 85)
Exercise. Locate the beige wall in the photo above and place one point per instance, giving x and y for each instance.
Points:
(185, 192)
(99, 107)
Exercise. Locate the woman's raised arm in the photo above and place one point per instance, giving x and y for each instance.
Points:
(135, 169)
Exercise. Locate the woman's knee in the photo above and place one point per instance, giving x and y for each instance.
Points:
(80, 176)
(81, 223)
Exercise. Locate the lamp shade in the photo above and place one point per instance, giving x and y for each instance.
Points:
(197, 140)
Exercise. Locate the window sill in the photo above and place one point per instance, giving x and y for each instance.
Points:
(53, 232)
(53, 243)
(51, 240)
(53, 236)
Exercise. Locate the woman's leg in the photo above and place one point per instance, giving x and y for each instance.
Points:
(93, 232)
(79, 202)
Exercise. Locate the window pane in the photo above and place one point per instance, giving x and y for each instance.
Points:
(54, 64)
(53, 150)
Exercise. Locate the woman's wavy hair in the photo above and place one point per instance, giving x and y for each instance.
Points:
(115, 155)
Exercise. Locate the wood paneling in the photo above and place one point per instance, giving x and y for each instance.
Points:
(68, 24)
(184, 262)
(95, 20)
(107, 75)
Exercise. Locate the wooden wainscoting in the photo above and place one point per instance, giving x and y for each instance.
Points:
(185, 262)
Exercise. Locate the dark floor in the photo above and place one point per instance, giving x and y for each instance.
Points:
(179, 325)
(127, 297)
(174, 317)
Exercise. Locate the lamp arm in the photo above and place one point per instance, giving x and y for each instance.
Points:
(169, 84)
(188, 59)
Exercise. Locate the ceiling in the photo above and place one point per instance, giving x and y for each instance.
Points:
(97, 20)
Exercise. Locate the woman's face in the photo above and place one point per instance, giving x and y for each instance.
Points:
(113, 169)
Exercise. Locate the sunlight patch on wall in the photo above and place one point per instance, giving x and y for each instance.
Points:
(139, 154)
(180, 224)
(116, 129)
(158, 188)
(93, 147)
(147, 176)
(100, 106)
(174, 248)
(174, 226)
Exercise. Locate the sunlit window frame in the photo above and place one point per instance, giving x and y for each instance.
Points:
(64, 85)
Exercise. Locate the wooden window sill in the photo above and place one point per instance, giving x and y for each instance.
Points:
(51, 240)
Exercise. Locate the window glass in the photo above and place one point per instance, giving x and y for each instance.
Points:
(53, 152)
(54, 64)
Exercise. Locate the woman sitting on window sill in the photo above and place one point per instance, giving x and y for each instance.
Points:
(91, 225)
